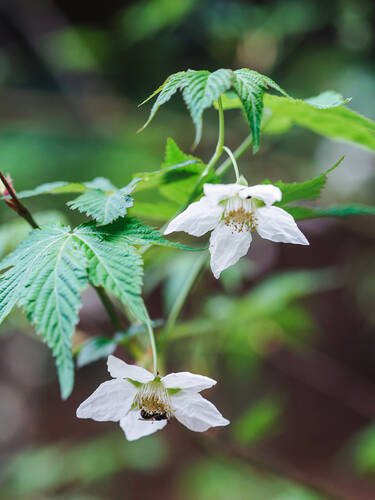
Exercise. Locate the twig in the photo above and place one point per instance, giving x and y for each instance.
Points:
(15, 203)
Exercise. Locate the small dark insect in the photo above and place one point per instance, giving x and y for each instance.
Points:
(153, 415)
(146, 415)
(160, 416)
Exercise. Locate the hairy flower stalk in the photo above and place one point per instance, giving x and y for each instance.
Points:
(233, 212)
(144, 403)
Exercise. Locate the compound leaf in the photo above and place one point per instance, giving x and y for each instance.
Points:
(165, 91)
(250, 87)
(200, 90)
(114, 264)
(46, 277)
(102, 206)
(324, 115)
(132, 232)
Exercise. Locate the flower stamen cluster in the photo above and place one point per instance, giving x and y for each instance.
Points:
(239, 215)
(153, 401)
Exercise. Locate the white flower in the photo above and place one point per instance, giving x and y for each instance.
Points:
(232, 212)
(143, 403)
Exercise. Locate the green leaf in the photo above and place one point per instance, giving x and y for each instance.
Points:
(132, 232)
(308, 190)
(100, 199)
(62, 187)
(326, 100)
(324, 115)
(165, 91)
(97, 348)
(151, 180)
(104, 207)
(48, 271)
(179, 185)
(114, 264)
(250, 87)
(16, 230)
(47, 277)
(177, 178)
(94, 349)
(59, 187)
(174, 155)
(302, 213)
(157, 211)
(200, 90)
(104, 202)
(258, 422)
(101, 183)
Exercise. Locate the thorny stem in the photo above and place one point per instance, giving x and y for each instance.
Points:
(234, 163)
(16, 204)
(153, 346)
(237, 153)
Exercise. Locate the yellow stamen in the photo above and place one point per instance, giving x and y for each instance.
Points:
(154, 399)
(240, 215)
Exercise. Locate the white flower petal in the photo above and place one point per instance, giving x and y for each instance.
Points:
(119, 369)
(199, 217)
(265, 192)
(227, 246)
(135, 428)
(111, 401)
(275, 224)
(188, 381)
(195, 412)
(220, 192)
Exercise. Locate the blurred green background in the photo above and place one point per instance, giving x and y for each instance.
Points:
(289, 334)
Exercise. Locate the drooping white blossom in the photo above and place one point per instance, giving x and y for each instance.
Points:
(232, 212)
(143, 403)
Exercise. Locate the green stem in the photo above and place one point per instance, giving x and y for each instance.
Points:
(220, 140)
(180, 299)
(153, 346)
(234, 163)
(108, 307)
(218, 152)
(237, 153)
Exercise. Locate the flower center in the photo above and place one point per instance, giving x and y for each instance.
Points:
(239, 214)
(153, 401)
